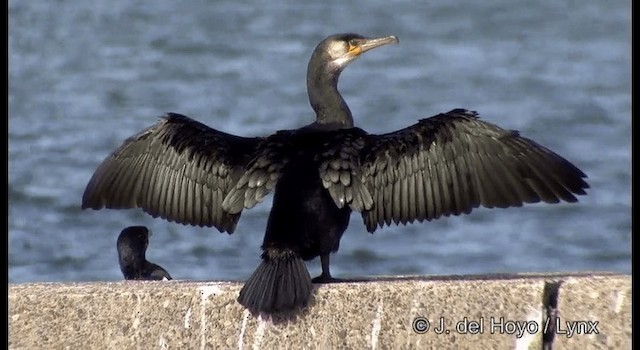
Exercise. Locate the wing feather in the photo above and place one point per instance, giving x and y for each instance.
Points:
(263, 172)
(453, 162)
(338, 168)
(178, 169)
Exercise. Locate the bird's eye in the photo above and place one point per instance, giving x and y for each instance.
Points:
(353, 43)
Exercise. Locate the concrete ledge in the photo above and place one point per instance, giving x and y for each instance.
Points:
(477, 312)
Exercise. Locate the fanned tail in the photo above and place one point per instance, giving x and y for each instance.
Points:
(280, 283)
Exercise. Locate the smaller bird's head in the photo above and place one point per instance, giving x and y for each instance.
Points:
(134, 239)
(337, 51)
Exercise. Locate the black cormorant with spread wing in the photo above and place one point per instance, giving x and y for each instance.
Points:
(448, 164)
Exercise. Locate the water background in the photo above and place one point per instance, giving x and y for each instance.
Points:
(84, 76)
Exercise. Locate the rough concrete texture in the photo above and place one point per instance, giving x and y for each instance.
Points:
(594, 313)
(380, 313)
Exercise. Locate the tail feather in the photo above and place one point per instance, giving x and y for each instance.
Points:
(280, 283)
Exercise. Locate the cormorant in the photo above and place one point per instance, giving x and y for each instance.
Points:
(132, 245)
(448, 164)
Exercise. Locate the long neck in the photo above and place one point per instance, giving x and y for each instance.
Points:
(326, 101)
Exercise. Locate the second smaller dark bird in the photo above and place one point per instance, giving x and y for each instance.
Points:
(132, 246)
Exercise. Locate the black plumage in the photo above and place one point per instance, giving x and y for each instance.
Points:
(184, 171)
(132, 247)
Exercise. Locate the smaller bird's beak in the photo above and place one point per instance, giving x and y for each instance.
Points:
(371, 43)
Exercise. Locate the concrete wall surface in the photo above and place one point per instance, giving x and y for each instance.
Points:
(522, 311)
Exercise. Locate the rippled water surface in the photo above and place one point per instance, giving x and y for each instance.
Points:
(84, 76)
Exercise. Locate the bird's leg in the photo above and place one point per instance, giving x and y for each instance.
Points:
(325, 277)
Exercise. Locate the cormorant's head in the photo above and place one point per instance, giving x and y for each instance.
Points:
(336, 51)
(133, 241)
(327, 62)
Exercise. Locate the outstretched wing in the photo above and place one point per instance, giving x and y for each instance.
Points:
(454, 162)
(178, 169)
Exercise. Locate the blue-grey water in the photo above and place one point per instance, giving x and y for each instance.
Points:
(84, 76)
